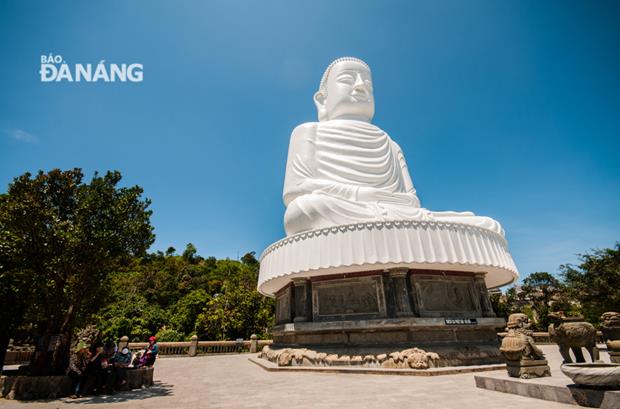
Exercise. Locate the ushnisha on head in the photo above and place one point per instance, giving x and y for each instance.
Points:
(346, 91)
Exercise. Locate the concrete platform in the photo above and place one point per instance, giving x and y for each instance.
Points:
(551, 389)
(233, 382)
(557, 388)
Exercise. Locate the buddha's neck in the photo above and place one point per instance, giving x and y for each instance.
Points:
(352, 118)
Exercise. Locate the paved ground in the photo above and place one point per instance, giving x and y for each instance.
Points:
(231, 381)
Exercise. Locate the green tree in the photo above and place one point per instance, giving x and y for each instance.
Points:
(542, 282)
(187, 309)
(177, 296)
(236, 313)
(15, 285)
(249, 259)
(501, 308)
(131, 315)
(237, 310)
(595, 283)
(67, 236)
(189, 255)
(542, 290)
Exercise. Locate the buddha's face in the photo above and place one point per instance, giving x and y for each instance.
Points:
(349, 93)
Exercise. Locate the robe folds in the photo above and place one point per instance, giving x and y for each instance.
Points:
(345, 171)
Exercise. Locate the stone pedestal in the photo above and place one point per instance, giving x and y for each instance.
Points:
(613, 348)
(443, 312)
(528, 368)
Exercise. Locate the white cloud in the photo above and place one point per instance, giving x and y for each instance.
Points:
(22, 136)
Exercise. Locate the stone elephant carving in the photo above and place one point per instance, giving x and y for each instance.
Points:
(573, 333)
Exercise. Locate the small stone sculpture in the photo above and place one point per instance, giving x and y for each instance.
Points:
(523, 358)
(573, 333)
(412, 358)
(610, 327)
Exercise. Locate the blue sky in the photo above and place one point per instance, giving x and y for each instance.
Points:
(510, 109)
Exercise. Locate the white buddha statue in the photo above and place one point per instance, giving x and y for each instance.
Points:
(344, 170)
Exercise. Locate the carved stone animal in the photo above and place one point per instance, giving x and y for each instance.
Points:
(518, 344)
(573, 333)
(610, 326)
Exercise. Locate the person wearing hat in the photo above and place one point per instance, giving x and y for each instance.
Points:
(151, 351)
(77, 368)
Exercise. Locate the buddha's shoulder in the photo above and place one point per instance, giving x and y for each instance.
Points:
(305, 127)
(304, 131)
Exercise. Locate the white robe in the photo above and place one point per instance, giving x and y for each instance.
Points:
(328, 163)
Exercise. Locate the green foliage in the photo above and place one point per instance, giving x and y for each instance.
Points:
(540, 294)
(595, 283)
(541, 282)
(501, 308)
(133, 316)
(170, 335)
(189, 255)
(65, 236)
(589, 289)
(238, 312)
(179, 296)
(187, 310)
(543, 291)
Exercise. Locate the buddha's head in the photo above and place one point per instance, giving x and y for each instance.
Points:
(346, 91)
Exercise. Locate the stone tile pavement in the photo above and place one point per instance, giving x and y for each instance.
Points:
(231, 381)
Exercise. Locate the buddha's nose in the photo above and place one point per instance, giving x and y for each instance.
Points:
(359, 85)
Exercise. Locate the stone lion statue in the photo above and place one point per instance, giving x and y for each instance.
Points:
(518, 344)
(572, 334)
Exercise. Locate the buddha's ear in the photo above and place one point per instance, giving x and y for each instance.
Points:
(319, 101)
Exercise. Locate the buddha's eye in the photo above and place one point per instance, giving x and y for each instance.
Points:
(345, 79)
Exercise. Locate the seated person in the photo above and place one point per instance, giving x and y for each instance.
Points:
(151, 351)
(94, 369)
(122, 360)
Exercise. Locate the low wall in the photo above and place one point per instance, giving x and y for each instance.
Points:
(195, 347)
(544, 338)
(187, 348)
(34, 387)
(17, 357)
(52, 387)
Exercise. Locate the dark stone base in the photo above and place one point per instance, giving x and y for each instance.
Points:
(52, 387)
(456, 345)
(380, 312)
(527, 369)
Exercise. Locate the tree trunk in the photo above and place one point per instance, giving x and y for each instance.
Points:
(62, 351)
(4, 344)
(61, 354)
(54, 359)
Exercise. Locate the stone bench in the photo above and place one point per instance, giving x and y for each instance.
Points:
(21, 387)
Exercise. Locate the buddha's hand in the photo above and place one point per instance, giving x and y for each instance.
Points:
(369, 194)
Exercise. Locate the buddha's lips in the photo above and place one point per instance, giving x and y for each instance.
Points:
(360, 97)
